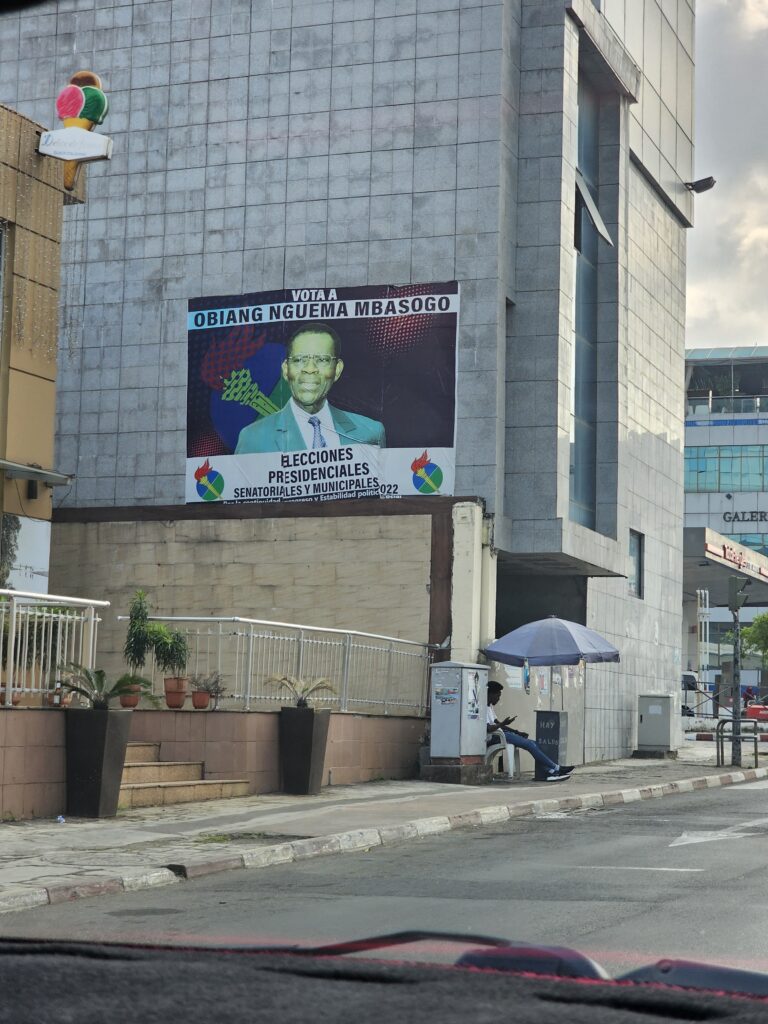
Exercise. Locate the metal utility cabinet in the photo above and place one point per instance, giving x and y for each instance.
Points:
(458, 726)
(656, 722)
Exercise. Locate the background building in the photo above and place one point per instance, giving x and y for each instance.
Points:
(533, 152)
(726, 474)
(31, 203)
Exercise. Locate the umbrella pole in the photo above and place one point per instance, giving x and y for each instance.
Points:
(584, 719)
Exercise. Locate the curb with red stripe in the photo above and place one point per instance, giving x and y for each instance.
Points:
(353, 841)
(762, 736)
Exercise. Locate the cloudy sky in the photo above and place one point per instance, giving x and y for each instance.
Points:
(728, 247)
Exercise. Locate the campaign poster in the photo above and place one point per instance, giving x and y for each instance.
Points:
(313, 394)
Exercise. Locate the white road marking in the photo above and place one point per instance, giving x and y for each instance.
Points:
(706, 837)
(624, 867)
(763, 784)
(734, 832)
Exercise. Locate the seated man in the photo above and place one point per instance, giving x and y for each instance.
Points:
(557, 772)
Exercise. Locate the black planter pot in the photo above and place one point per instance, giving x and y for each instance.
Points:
(303, 739)
(96, 741)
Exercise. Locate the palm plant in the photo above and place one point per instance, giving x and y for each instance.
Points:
(171, 650)
(170, 647)
(138, 640)
(93, 685)
(301, 689)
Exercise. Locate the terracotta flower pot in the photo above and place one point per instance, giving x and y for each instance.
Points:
(175, 698)
(200, 699)
(175, 684)
(175, 691)
(131, 700)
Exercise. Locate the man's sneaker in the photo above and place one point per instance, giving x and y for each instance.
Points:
(562, 773)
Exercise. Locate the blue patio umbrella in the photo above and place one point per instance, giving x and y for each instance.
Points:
(551, 641)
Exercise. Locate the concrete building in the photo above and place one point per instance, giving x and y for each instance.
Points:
(31, 212)
(726, 485)
(534, 152)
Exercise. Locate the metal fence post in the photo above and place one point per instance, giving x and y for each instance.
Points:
(89, 637)
(345, 673)
(427, 661)
(300, 655)
(388, 689)
(249, 668)
(11, 654)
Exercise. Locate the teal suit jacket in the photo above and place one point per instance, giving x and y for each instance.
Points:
(280, 432)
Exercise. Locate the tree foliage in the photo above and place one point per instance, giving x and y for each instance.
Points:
(9, 545)
(754, 638)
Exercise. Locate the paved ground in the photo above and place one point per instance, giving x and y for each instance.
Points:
(626, 884)
(44, 862)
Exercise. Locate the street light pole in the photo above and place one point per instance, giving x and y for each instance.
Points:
(736, 707)
(736, 600)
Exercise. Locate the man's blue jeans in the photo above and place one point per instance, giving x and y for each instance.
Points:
(527, 744)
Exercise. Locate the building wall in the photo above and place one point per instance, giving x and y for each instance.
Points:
(645, 156)
(32, 766)
(232, 745)
(713, 508)
(31, 201)
(647, 631)
(315, 144)
(261, 146)
(370, 574)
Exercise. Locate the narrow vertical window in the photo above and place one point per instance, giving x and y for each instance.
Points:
(583, 477)
(636, 563)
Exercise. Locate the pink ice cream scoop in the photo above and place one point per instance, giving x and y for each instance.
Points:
(70, 101)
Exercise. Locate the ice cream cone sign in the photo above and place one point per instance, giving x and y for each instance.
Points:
(81, 106)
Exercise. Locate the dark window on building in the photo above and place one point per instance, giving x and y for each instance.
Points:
(727, 467)
(637, 560)
(583, 482)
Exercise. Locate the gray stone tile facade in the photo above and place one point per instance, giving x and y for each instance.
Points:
(263, 145)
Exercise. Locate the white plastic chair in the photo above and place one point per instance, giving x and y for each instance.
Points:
(498, 747)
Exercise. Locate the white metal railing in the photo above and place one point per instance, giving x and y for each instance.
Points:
(707, 403)
(379, 674)
(38, 633)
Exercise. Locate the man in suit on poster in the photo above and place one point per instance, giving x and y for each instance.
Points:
(311, 367)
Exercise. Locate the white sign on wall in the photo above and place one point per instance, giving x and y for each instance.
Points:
(75, 144)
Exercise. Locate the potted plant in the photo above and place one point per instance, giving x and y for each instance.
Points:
(132, 695)
(96, 740)
(138, 640)
(169, 647)
(205, 687)
(171, 654)
(303, 734)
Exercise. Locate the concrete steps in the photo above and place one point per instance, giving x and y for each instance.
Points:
(162, 771)
(142, 752)
(159, 794)
(149, 782)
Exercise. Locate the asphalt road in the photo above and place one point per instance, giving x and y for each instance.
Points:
(682, 877)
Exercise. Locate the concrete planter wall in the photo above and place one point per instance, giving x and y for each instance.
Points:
(232, 744)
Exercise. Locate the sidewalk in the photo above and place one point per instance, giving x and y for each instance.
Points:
(44, 862)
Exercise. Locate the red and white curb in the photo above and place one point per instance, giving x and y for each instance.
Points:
(20, 897)
(710, 736)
